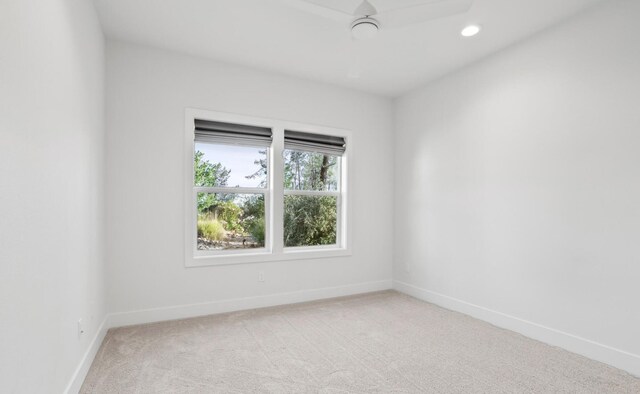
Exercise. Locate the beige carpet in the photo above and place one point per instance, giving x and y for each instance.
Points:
(375, 343)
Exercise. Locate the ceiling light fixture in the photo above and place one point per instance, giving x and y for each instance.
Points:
(364, 28)
(470, 31)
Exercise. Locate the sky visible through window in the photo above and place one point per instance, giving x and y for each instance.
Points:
(240, 160)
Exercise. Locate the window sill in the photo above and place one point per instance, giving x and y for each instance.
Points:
(266, 257)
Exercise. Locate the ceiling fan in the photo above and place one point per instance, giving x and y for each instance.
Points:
(365, 20)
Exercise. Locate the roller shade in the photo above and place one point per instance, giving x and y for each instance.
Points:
(328, 144)
(231, 133)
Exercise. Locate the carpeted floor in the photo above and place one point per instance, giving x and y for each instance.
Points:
(375, 343)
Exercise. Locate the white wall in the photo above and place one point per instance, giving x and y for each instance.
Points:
(51, 188)
(518, 186)
(147, 93)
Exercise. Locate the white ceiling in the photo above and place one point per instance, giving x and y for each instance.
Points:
(273, 35)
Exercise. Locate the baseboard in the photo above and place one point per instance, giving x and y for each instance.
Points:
(588, 348)
(237, 304)
(83, 368)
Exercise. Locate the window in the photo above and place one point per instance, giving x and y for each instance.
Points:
(263, 190)
(311, 189)
(230, 175)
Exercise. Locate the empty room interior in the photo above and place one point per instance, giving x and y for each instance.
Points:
(319, 196)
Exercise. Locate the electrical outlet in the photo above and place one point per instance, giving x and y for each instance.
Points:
(261, 276)
(80, 327)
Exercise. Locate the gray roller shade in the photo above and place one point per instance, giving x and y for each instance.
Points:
(230, 133)
(329, 144)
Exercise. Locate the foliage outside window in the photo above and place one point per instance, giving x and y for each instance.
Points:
(228, 219)
(311, 183)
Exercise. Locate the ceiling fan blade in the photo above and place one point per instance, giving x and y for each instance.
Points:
(339, 10)
(423, 12)
(365, 9)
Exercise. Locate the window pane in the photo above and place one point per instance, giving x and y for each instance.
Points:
(311, 171)
(230, 165)
(230, 221)
(310, 220)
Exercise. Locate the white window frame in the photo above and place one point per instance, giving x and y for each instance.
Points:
(274, 249)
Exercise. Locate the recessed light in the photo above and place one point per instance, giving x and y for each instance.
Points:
(470, 31)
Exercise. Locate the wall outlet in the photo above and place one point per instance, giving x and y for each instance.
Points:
(80, 327)
(261, 276)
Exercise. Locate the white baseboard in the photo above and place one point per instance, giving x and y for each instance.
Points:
(237, 304)
(83, 368)
(588, 348)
